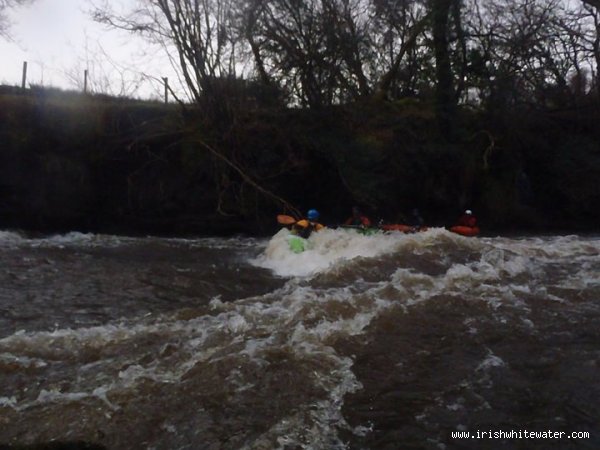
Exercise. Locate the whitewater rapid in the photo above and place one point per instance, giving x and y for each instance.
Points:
(358, 342)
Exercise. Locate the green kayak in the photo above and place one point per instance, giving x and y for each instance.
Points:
(362, 230)
(297, 244)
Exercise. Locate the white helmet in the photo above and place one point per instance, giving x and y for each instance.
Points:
(469, 212)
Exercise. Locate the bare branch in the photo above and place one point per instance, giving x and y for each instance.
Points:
(4, 21)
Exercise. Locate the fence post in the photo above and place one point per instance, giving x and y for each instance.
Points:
(24, 79)
(166, 82)
(85, 77)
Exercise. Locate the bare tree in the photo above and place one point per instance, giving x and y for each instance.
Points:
(248, 24)
(347, 33)
(401, 59)
(590, 35)
(97, 72)
(430, 39)
(202, 37)
(196, 34)
(316, 49)
(322, 52)
(4, 21)
(445, 101)
(518, 50)
(594, 3)
(299, 47)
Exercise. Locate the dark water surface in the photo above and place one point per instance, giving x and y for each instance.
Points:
(390, 341)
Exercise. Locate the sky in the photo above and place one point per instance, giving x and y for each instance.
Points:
(59, 40)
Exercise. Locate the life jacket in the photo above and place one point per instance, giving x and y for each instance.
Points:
(467, 220)
(304, 228)
(358, 221)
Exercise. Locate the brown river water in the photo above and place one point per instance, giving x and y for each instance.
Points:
(389, 341)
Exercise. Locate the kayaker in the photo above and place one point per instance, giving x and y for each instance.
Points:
(416, 220)
(358, 219)
(304, 227)
(467, 219)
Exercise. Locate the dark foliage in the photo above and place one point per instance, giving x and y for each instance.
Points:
(114, 165)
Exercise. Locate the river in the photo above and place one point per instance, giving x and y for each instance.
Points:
(390, 341)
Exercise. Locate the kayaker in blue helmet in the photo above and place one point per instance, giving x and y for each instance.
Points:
(304, 227)
(313, 214)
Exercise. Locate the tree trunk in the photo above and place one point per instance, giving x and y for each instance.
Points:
(387, 79)
(594, 3)
(444, 93)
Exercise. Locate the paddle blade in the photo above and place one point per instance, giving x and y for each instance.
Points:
(285, 220)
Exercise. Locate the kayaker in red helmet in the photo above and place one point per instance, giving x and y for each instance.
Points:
(467, 219)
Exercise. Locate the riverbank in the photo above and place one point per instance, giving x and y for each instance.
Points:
(113, 165)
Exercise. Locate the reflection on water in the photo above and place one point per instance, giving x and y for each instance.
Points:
(361, 342)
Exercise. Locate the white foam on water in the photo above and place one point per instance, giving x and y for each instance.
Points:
(528, 323)
(8, 402)
(55, 396)
(550, 248)
(62, 342)
(295, 318)
(10, 239)
(317, 426)
(490, 361)
(471, 329)
(22, 362)
(330, 247)
(455, 406)
(236, 242)
(77, 239)
(71, 239)
(485, 368)
(496, 277)
(587, 277)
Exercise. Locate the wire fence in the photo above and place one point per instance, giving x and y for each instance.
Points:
(85, 88)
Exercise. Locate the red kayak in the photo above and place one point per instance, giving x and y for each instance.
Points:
(464, 230)
(401, 227)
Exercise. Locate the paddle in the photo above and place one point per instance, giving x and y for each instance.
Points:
(286, 220)
(353, 227)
